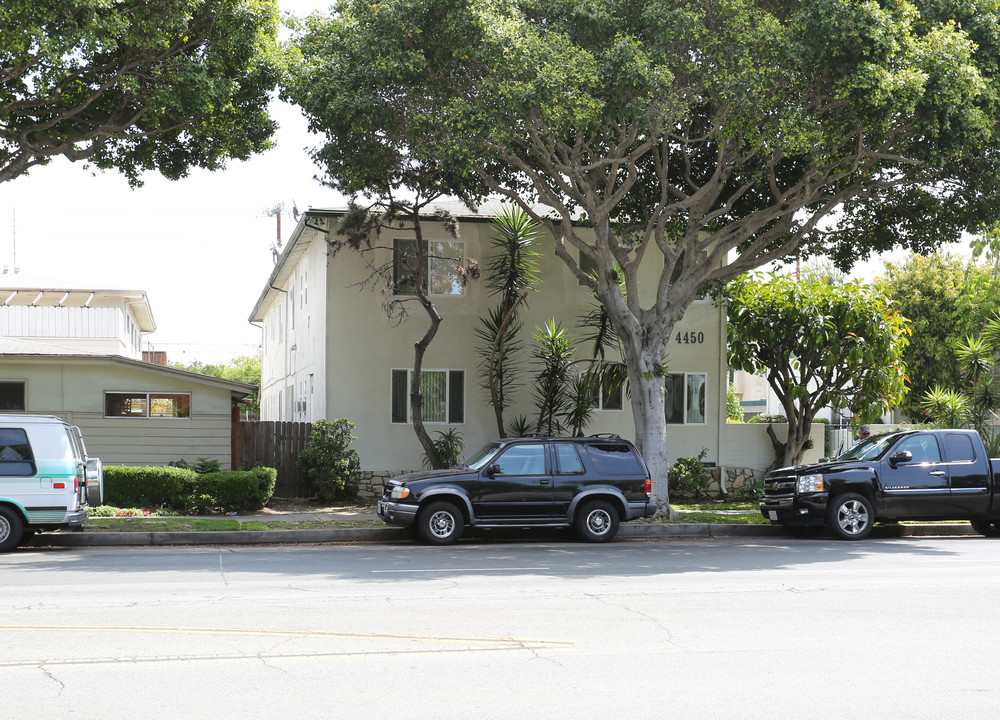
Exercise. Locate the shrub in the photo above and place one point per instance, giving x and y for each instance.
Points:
(751, 491)
(688, 477)
(234, 491)
(185, 490)
(202, 466)
(768, 419)
(448, 447)
(137, 487)
(326, 462)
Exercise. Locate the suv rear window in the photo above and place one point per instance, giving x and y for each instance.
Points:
(614, 459)
(16, 459)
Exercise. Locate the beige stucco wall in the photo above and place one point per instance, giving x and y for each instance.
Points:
(74, 390)
(747, 444)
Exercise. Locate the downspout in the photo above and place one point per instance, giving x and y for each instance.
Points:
(723, 404)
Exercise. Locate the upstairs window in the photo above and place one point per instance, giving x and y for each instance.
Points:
(439, 268)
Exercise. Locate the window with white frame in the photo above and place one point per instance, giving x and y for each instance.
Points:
(685, 401)
(443, 391)
(439, 268)
(147, 405)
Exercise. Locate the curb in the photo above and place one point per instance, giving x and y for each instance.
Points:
(392, 534)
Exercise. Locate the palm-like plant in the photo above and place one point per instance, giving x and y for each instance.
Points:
(512, 273)
(947, 408)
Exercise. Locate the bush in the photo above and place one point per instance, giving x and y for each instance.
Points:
(751, 491)
(768, 419)
(326, 462)
(688, 478)
(185, 490)
(137, 487)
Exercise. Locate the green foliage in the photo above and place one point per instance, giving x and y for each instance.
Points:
(512, 274)
(946, 300)
(768, 419)
(136, 85)
(244, 369)
(820, 346)
(689, 478)
(202, 466)
(327, 463)
(448, 448)
(734, 410)
(184, 490)
(946, 408)
(553, 353)
(751, 491)
(143, 487)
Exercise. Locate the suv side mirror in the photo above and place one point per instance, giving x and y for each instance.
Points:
(903, 456)
(492, 469)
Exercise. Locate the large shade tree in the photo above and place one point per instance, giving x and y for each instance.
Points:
(819, 345)
(135, 85)
(707, 137)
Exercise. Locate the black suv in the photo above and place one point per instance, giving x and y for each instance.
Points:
(589, 483)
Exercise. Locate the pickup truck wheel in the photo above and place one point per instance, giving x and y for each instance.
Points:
(11, 528)
(597, 521)
(986, 528)
(440, 523)
(850, 516)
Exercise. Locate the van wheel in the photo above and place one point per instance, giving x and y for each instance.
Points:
(11, 528)
(597, 521)
(850, 516)
(986, 528)
(440, 523)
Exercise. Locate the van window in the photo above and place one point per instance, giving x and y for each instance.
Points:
(16, 459)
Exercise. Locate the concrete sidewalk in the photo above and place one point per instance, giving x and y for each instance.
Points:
(388, 534)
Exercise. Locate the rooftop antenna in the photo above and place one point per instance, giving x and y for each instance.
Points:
(275, 211)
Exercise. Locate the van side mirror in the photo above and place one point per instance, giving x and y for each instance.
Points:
(903, 456)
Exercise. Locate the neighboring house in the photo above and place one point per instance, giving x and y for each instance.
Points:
(329, 351)
(108, 322)
(76, 353)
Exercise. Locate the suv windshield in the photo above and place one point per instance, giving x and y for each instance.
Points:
(480, 459)
(868, 449)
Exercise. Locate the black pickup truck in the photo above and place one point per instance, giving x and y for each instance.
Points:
(908, 475)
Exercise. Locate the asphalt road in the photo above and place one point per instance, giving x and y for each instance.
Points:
(762, 628)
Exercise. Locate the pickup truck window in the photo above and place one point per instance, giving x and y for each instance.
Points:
(959, 447)
(924, 448)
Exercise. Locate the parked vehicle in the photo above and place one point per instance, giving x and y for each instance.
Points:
(588, 483)
(46, 478)
(910, 475)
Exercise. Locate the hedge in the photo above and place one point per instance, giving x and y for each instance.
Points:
(185, 490)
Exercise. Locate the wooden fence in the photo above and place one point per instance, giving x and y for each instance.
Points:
(272, 444)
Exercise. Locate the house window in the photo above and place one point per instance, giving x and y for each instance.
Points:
(147, 405)
(685, 398)
(439, 268)
(609, 395)
(443, 391)
(12, 396)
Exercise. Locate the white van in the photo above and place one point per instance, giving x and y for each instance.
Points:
(46, 478)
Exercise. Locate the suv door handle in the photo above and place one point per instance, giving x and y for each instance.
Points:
(937, 472)
(545, 481)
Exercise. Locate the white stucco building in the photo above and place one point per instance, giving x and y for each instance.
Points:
(329, 351)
